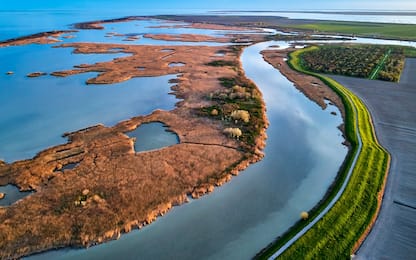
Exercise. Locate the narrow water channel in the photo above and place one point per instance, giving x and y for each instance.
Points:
(303, 153)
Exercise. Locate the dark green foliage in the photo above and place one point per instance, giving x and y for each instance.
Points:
(221, 63)
(365, 61)
(238, 94)
(228, 82)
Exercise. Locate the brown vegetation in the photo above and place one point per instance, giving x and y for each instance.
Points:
(112, 189)
(39, 38)
(36, 74)
(187, 37)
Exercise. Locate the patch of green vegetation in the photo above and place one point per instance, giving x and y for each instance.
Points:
(221, 63)
(228, 82)
(334, 236)
(238, 97)
(379, 30)
(357, 60)
(410, 52)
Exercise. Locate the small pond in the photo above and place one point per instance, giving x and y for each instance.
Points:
(152, 136)
(12, 194)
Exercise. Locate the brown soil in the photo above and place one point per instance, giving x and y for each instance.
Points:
(112, 189)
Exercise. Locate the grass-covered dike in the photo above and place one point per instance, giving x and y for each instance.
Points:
(335, 236)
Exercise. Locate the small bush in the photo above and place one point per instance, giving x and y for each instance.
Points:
(233, 132)
(243, 115)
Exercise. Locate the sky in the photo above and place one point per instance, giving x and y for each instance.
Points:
(270, 5)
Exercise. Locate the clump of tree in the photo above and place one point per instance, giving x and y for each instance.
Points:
(234, 132)
(242, 115)
(238, 104)
(214, 112)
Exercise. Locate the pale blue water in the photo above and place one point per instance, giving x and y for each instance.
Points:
(37, 111)
(12, 195)
(151, 136)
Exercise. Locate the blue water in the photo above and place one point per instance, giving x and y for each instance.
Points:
(152, 136)
(21, 23)
(12, 195)
(37, 111)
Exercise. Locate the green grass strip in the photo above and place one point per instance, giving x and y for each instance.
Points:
(334, 236)
(384, 30)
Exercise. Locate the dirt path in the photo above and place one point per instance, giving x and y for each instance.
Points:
(394, 115)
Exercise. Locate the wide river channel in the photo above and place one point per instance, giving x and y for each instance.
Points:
(303, 154)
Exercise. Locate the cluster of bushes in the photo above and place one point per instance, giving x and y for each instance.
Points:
(239, 105)
(356, 60)
(222, 63)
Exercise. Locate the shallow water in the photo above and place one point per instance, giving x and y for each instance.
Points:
(151, 136)
(36, 112)
(12, 195)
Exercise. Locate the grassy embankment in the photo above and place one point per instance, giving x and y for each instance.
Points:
(335, 236)
(378, 30)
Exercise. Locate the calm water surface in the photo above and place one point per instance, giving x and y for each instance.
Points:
(12, 195)
(152, 136)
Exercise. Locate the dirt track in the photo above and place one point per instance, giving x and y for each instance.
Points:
(393, 110)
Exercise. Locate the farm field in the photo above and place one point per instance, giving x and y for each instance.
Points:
(364, 61)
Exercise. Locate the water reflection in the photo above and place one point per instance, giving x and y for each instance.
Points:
(11, 195)
(152, 136)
